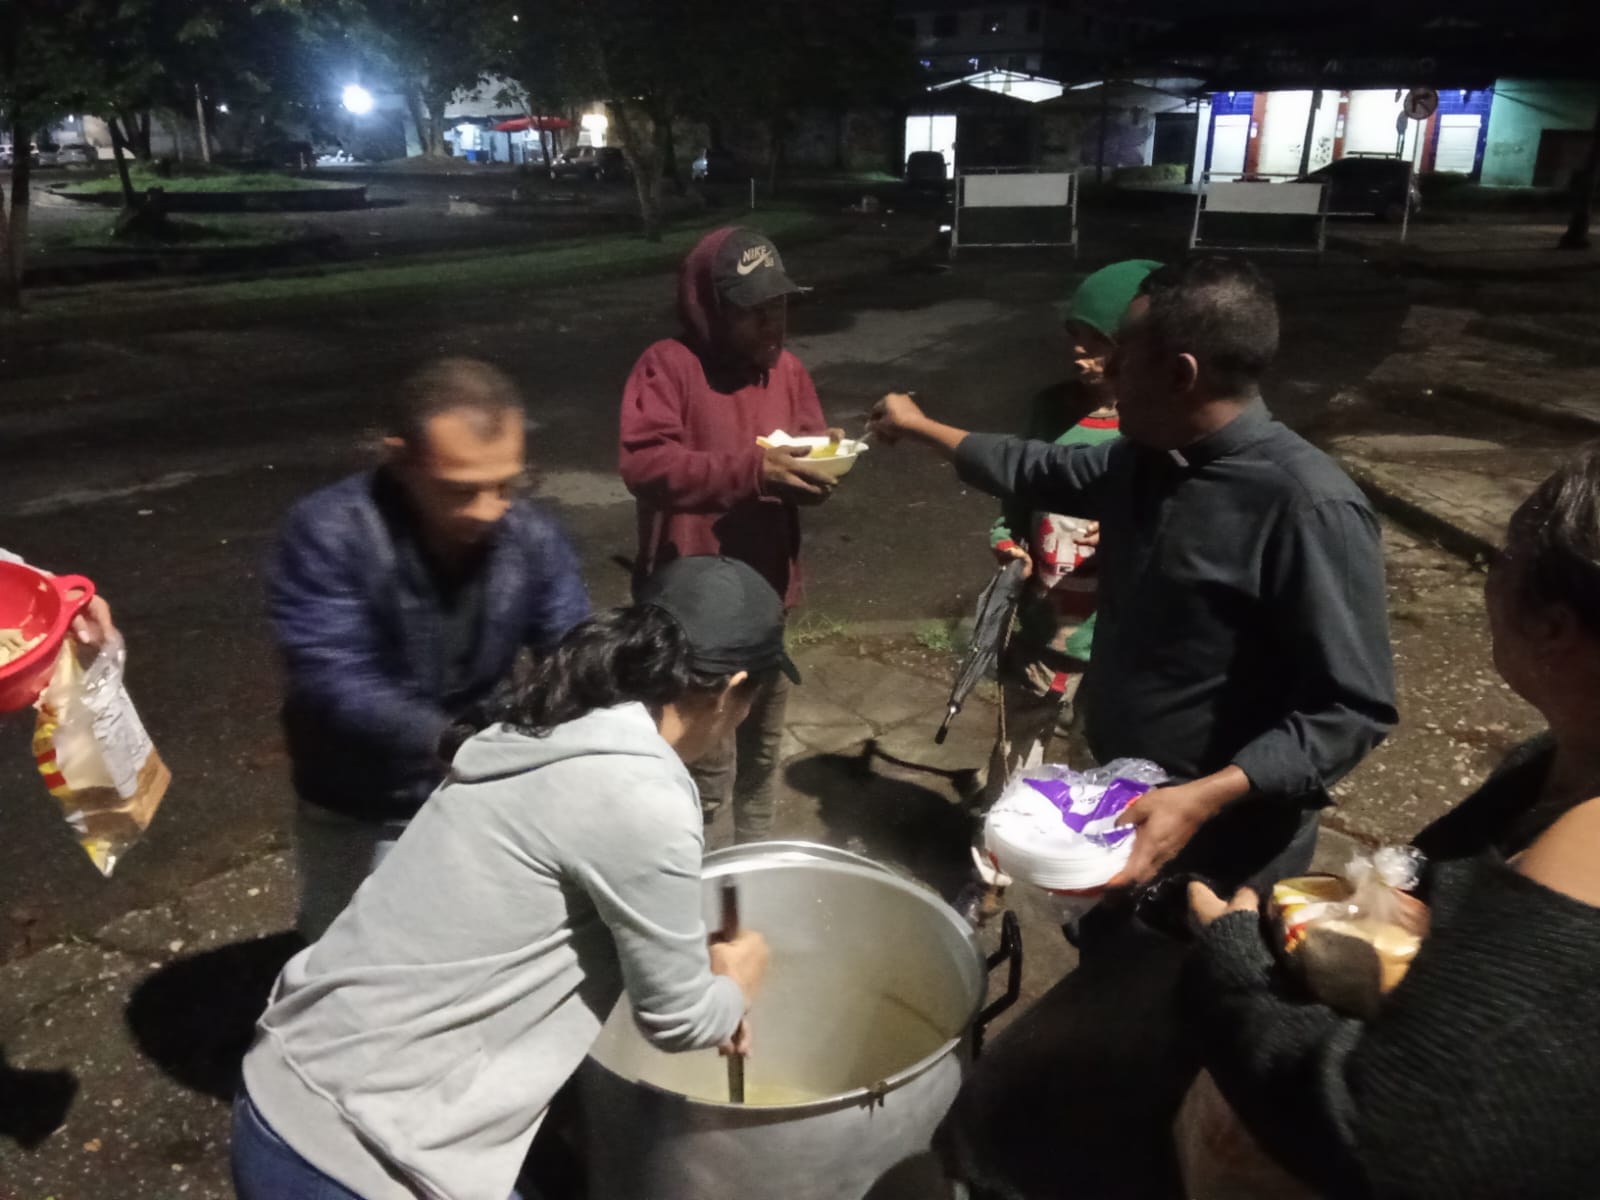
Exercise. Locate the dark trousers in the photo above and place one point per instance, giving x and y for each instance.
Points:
(265, 1167)
(744, 769)
(1076, 1099)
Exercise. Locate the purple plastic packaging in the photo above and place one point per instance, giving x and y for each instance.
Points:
(1120, 793)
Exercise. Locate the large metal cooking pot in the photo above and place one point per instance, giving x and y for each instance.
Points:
(860, 1032)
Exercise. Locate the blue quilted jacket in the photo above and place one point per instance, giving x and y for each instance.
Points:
(362, 642)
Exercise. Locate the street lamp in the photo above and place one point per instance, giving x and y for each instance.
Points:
(357, 99)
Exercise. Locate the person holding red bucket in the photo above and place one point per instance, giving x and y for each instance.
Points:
(21, 586)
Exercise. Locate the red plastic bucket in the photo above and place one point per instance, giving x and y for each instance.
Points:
(36, 603)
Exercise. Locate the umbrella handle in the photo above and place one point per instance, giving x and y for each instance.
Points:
(944, 726)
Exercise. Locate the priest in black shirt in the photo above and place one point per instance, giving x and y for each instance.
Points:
(1242, 644)
(1243, 638)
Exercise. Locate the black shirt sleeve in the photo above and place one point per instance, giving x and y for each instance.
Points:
(1325, 602)
(1035, 475)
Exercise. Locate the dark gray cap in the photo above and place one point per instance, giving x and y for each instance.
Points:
(747, 270)
(732, 617)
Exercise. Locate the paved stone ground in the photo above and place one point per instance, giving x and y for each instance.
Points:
(146, 1013)
(141, 1024)
(1471, 411)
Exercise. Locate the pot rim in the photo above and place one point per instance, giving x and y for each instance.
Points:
(860, 1097)
(785, 855)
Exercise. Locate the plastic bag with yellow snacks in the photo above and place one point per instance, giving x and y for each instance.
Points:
(95, 756)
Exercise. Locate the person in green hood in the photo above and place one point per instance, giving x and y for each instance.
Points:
(1049, 650)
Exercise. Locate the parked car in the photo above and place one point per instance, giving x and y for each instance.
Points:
(717, 166)
(926, 172)
(8, 155)
(591, 162)
(75, 154)
(1375, 185)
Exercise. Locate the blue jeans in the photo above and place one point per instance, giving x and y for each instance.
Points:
(265, 1167)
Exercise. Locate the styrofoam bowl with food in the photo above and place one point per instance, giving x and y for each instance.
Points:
(822, 452)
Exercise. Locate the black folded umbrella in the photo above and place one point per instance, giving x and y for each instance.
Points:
(990, 629)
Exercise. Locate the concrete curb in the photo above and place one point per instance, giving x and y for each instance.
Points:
(1412, 511)
(1526, 410)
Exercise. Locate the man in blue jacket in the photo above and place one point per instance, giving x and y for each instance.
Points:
(400, 598)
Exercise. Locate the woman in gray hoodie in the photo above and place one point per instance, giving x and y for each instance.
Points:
(414, 1049)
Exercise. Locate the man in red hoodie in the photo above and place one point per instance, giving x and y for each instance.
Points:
(691, 413)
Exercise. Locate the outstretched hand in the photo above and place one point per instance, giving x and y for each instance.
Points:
(1207, 906)
(893, 417)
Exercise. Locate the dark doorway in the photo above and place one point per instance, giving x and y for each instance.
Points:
(1561, 156)
(1175, 138)
(985, 140)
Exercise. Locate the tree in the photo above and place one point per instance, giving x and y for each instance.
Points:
(529, 56)
(437, 48)
(714, 59)
(830, 56)
(40, 76)
(121, 59)
(641, 66)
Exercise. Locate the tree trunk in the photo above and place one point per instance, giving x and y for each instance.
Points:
(418, 117)
(135, 132)
(841, 139)
(10, 294)
(17, 225)
(434, 145)
(642, 150)
(669, 157)
(130, 200)
(200, 126)
(1577, 235)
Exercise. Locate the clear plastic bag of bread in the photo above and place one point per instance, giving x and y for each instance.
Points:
(1351, 938)
(95, 756)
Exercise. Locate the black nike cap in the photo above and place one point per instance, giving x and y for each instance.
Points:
(747, 270)
(731, 615)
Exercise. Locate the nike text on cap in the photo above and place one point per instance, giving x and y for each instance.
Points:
(731, 616)
(747, 270)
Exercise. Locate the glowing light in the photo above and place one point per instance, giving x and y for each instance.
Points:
(594, 122)
(357, 99)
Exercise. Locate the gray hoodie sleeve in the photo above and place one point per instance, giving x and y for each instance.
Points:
(645, 883)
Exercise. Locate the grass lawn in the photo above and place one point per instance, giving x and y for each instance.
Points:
(217, 233)
(554, 262)
(201, 181)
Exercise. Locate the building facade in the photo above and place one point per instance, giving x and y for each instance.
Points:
(1515, 133)
(1062, 39)
(1538, 132)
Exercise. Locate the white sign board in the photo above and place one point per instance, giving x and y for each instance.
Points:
(1295, 199)
(1049, 190)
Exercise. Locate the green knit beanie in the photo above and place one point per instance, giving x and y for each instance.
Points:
(1102, 298)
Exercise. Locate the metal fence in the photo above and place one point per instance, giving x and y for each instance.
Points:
(1290, 214)
(1015, 206)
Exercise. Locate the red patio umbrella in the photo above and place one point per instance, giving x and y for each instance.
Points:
(519, 124)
